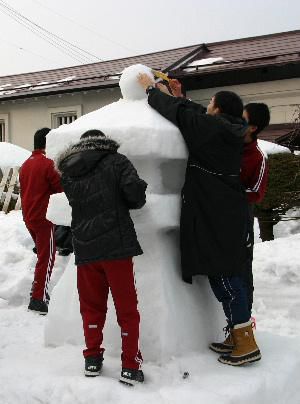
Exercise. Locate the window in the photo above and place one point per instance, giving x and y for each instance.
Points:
(63, 118)
(2, 130)
(63, 115)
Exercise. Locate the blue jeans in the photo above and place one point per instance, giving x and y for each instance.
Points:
(232, 292)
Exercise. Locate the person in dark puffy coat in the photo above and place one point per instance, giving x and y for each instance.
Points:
(102, 186)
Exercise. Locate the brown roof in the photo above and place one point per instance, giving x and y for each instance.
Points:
(282, 49)
(276, 131)
(262, 50)
(102, 74)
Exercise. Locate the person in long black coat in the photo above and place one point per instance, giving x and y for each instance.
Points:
(213, 224)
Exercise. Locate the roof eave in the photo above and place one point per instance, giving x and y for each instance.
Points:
(57, 91)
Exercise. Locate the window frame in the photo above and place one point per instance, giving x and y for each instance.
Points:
(4, 120)
(55, 113)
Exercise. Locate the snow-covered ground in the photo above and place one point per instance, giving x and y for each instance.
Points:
(31, 373)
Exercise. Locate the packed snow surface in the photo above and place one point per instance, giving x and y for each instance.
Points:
(31, 373)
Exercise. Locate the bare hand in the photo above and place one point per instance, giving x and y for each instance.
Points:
(145, 81)
(163, 88)
(176, 89)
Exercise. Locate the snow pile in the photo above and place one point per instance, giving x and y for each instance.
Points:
(12, 155)
(17, 260)
(277, 280)
(141, 131)
(272, 148)
(136, 126)
(289, 225)
(156, 148)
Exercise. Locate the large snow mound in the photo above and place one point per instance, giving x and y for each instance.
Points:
(12, 155)
(141, 131)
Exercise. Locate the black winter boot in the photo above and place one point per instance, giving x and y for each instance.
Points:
(93, 365)
(131, 377)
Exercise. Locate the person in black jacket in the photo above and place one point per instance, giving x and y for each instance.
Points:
(101, 186)
(213, 224)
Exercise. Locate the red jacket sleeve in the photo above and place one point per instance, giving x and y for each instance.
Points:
(257, 187)
(254, 173)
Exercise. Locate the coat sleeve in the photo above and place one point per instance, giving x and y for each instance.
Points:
(188, 116)
(54, 179)
(257, 183)
(133, 188)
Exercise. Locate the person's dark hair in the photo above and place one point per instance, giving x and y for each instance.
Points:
(92, 133)
(258, 115)
(39, 140)
(229, 103)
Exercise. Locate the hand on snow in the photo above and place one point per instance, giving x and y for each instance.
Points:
(145, 81)
(175, 87)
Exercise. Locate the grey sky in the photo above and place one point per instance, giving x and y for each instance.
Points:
(116, 28)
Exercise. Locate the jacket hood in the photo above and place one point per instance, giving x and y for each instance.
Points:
(236, 126)
(80, 158)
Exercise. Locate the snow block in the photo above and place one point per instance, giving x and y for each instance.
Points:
(176, 318)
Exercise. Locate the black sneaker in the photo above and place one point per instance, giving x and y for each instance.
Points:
(130, 377)
(39, 306)
(93, 366)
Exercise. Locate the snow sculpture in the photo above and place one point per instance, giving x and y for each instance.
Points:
(175, 317)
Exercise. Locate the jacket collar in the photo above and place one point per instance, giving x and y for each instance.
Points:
(91, 143)
(39, 151)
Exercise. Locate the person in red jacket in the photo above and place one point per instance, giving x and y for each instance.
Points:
(39, 180)
(254, 173)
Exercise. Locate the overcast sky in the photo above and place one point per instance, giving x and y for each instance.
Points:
(114, 29)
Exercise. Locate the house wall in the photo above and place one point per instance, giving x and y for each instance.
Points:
(282, 96)
(24, 117)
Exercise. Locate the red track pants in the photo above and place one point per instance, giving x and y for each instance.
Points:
(42, 234)
(94, 281)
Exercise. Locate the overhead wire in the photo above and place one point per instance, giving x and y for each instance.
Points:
(51, 41)
(21, 47)
(31, 26)
(66, 47)
(84, 27)
(51, 33)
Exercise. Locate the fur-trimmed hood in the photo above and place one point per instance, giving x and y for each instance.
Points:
(82, 157)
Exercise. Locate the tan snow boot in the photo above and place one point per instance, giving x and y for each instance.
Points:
(245, 348)
(226, 346)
